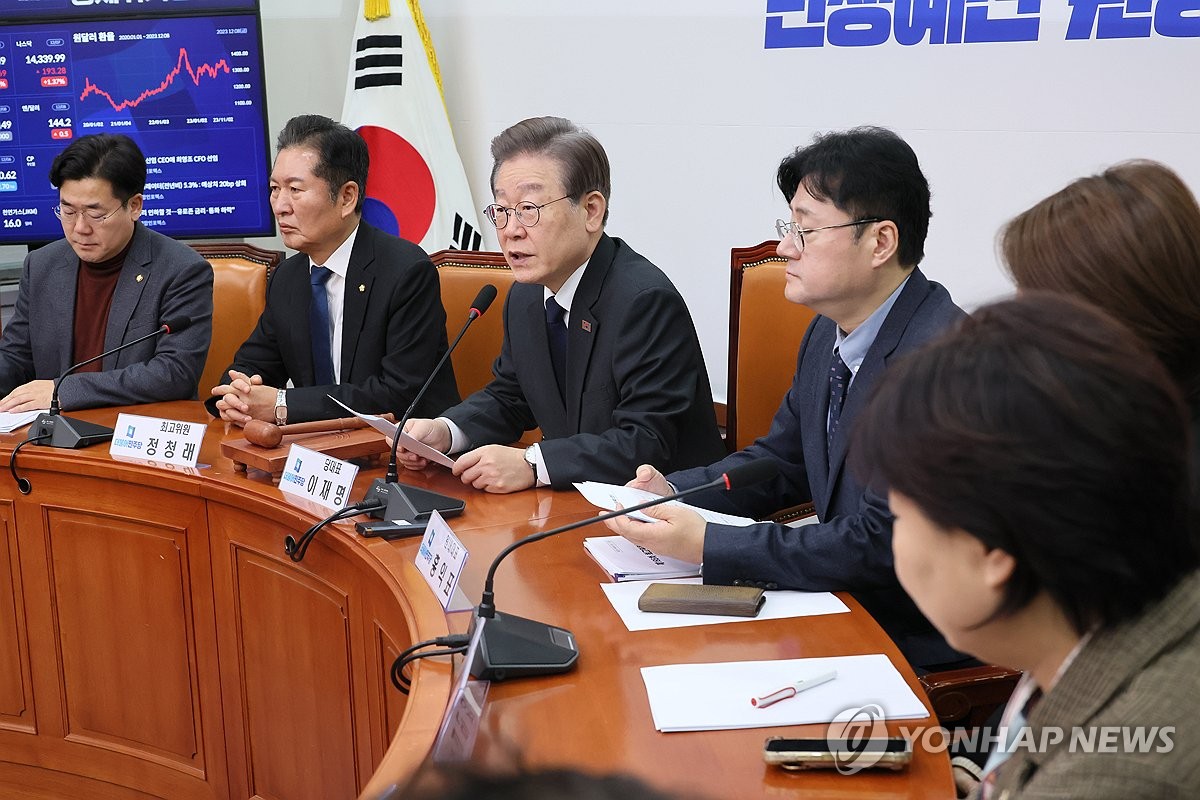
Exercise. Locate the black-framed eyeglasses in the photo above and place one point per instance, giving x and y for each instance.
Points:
(526, 213)
(797, 233)
(71, 216)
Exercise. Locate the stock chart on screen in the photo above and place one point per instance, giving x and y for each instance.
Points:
(188, 89)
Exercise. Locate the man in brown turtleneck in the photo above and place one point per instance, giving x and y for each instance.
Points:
(110, 280)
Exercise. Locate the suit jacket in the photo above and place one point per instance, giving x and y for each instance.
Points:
(160, 279)
(1141, 673)
(851, 549)
(393, 333)
(636, 387)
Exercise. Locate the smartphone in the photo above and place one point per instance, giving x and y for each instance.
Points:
(894, 752)
(390, 530)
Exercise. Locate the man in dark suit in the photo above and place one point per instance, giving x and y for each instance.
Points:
(109, 281)
(356, 313)
(599, 349)
(859, 214)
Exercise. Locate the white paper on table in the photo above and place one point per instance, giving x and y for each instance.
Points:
(712, 697)
(779, 605)
(407, 442)
(609, 496)
(11, 420)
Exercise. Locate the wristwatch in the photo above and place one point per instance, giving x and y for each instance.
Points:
(281, 407)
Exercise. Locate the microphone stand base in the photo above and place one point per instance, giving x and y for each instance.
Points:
(68, 432)
(515, 647)
(411, 504)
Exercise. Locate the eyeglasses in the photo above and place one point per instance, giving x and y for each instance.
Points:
(526, 213)
(782, 229)
(70, 215)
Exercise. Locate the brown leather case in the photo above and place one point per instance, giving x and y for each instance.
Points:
(699, 598)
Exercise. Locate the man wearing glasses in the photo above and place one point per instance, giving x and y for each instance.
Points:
(859, 208)
(110, 280)
(599, 349)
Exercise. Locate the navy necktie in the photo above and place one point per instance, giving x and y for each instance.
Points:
(839, 380)
(319, 327)
(556, 332)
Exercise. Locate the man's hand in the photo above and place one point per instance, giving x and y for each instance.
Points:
(245, 398)
(433, 432)
(679, 533)
(28, 397)
(495, 468)
(651, 480)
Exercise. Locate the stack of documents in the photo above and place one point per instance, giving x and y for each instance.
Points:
(713, 697)
(610, 496)
(11, 420)
(625, 561)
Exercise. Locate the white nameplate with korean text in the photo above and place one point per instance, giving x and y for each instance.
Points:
(153, 439)
(441, 558)
(315, 476)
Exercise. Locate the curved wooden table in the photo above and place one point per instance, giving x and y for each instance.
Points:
(155, 641)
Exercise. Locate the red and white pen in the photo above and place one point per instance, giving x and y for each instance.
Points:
(793, 690)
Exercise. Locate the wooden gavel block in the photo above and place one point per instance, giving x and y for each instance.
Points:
(358, 442)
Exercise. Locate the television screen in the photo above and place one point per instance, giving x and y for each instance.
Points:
(188, 89)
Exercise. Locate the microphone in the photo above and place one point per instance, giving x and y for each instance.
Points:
(62, 431)
(515, 647)
(396, 500)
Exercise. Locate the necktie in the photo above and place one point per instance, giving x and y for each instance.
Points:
(839, 379)
(319, 327)
(556, 331)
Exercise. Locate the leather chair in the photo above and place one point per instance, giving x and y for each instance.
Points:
(967, 698)
(765, 330)
(240, 274)
(462, 273)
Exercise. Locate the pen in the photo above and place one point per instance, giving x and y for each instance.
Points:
(793, 690)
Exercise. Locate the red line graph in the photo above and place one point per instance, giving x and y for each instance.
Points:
(184, 62)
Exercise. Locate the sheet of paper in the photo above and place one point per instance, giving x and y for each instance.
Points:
(704, 697)
(609, 496)
(11, 420)
(388, 429)
(779, 605)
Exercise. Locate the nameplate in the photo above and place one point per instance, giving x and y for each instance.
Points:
(165, 441)
(315, 476)
(440, 559)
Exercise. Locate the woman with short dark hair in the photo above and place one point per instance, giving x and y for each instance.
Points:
(1038, 472)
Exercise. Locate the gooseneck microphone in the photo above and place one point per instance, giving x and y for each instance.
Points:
(514, 647)
(73, 433)
(396, 500)
(52, 429)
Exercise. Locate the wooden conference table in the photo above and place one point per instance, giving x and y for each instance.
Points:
(155, 641)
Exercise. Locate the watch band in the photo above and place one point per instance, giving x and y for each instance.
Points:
(281, 411)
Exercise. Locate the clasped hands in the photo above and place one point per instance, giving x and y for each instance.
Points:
(245, 398)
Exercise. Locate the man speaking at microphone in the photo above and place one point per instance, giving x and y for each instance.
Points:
(109, 281)
(599, 349)
(356, 313)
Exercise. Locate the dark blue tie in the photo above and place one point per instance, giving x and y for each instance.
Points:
(839, 379)
(556, 331)
(319, 327)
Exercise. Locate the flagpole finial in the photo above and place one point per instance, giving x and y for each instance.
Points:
(376, 9)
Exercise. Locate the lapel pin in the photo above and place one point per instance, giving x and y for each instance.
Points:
(362, 287)
(139, 278)
(587, 326)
